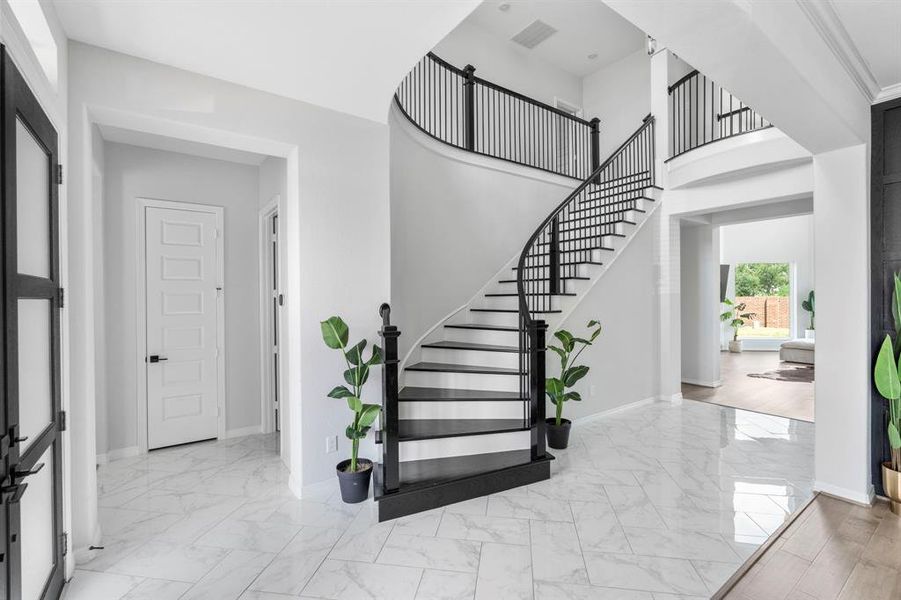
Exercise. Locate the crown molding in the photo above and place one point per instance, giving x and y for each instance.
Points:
(822, 14)
(888, 93)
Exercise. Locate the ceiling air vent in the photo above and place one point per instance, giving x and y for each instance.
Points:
(534, 34)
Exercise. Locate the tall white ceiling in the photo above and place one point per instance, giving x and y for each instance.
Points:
(347, 55)
(584, 27)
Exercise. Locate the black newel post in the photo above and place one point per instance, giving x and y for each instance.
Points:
(469, 118)
(390, 456)
(595, 147)
(538, 332)
(554, 263)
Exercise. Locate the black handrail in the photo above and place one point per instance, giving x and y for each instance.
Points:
(703, 112)
(568, 238)
(457, 107)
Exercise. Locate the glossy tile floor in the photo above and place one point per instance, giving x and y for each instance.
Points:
(791, 399)
(657, 502)
(833, 550)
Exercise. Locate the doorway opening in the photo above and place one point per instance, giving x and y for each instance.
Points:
(745, 337)
(271, 301)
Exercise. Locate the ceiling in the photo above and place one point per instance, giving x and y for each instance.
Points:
(583, 27)
(347, 55)
(170, 144)
(874, 28)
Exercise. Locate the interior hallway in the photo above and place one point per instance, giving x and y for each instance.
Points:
(790, 399)
(658, 499)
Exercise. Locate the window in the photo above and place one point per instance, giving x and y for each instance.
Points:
(34, 25)
(764, 288)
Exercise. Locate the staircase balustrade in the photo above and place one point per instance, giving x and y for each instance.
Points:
(702, 112)
(459, 108)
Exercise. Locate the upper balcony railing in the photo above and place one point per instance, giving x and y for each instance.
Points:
(460, 109)
(702, 111)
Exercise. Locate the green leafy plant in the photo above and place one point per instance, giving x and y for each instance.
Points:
(735, 317)
(569, 350)
(886, 377)
(335, 333)
(810, 306)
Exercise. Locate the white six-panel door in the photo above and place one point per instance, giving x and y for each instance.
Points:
(182, 286)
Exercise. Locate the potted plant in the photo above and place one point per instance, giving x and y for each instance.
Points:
(353, 474)
(556, 387)
(886, 379)
(736, 320)
(810, 306)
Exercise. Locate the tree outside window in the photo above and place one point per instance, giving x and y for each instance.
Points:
(764, 287)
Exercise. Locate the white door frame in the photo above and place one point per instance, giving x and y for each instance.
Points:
(267, 408)
(141, 206)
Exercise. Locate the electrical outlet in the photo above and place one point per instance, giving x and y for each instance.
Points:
(331, 444)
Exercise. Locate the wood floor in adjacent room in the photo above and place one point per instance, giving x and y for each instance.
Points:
(834, 550)
(790, 399)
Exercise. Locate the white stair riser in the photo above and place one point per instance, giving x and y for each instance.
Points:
(506, 302)
(507, 360)
(637, 184)
(482, 336)
(544, 259)
(462, 381)
(584, 220)
(591, 227)
(464, 446)
(495, 318)
(601, 210)
(481, 409)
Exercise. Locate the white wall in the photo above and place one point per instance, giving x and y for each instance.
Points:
(456, 219)
(132, 173)
(699, 264)
(336, 219)
(623, 361)
(788, 240)
(502, 62)
(620, 96)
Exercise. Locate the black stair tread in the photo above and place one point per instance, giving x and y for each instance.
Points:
(510, 310)
(638, 183)
(418, 474)
(431, 429)
(483, 326)
(451, 345)
(541, 279)
(583, 220)
(454, 368)
(582, 238)
(542, 294)
(606, 204)
(424, 394)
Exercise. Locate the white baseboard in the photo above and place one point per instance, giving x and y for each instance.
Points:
(674, 398)
(117, 454)
(864, 499)
(243, 431)
(708, 384)
(616, 409)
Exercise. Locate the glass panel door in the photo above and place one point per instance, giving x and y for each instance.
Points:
(30, 416)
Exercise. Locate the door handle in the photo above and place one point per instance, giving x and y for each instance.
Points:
(155, 358)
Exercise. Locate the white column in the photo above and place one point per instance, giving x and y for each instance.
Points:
(667, 243)
(843, 365)
(699, 283)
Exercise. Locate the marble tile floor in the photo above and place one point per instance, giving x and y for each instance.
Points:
(662, 501)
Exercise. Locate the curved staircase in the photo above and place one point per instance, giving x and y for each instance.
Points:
(469, 418)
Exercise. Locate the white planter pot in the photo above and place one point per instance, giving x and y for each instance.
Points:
(809, 334)
(734, 345)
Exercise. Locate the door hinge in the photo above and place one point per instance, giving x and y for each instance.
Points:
(65, 542)
(59, 174)
(62, 419)
(61, 293)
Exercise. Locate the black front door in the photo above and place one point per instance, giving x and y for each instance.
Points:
(30, 415)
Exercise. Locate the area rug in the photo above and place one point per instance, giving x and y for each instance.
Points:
(798, 373)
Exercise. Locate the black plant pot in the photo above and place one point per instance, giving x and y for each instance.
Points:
(558, 435)
(354, 486)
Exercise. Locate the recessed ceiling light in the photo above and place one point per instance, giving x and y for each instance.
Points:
(504, 7)
(592, 56)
